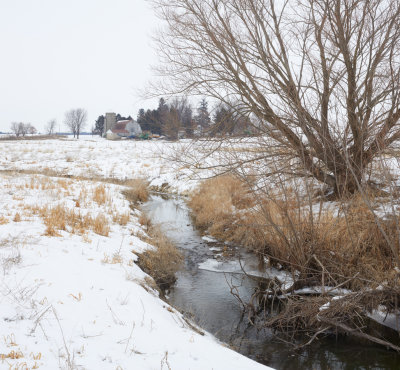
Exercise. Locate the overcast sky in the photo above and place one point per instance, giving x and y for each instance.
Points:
(62, 54)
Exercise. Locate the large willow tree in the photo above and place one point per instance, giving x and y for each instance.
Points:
(320, 76)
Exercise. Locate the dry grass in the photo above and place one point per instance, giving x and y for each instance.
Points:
(100, 195)
(351, 248)
(121, 218)
(137, 191)
(216, 200)
(17, 217)
(3, 220)
(144, 220)
(163, 262)
(100, 225)
(137, 188)
(12, 355)
(64, 184)
(32, 138)
(324, 247)
(115, 259)
(55, 219)
(61, 218)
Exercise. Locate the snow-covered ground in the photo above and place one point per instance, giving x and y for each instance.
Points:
(71, 295)
(93, 157)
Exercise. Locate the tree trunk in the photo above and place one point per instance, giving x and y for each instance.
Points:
(347, 182)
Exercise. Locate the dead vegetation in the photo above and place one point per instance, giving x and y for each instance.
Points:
(116, 258)
(75, 218)
(3, 220)
(32, 138)
(61, 218)
(342, 245)
(121, 218)
(137, 191)
(284, 229)
(17, 217)
(137, 187)
(100, 195)
(162, 262)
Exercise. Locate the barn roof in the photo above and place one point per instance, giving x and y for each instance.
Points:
(120, 127)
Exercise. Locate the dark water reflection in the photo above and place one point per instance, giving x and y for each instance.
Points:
(205, 297)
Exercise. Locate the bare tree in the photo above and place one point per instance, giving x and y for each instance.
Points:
(321, 77)
(75, 120)
(50, 127)
(172, 124)
(23, 128)
(30, 129)
(14, 127)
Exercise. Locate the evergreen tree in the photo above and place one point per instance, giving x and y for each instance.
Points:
(141, 116)
(99, 125)
(187, 120)
(149, 121)
(203, 116)
(224, 122)
(122, 118)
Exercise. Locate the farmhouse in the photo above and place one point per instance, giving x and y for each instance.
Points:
(127, 128)
(114, 129)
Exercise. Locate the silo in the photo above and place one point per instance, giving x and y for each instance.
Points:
(109, 122)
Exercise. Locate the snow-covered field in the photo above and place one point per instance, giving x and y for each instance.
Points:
(71, 296)
(93, 157)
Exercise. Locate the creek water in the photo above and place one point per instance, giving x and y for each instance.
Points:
(203, 292)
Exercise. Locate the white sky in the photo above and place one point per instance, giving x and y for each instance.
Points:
(62, 54)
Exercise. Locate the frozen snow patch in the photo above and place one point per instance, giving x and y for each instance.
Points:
(209, 239)
(235, 267)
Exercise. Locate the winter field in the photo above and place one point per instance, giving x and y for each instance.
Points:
(71, 296)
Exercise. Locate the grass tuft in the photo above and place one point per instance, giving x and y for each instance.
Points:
(121, 218)
(100, 195)
(137, 191)
(100, 225)
(3, 220)
(17, 217)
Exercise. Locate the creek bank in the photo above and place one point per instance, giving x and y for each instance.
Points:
(203, 293)
(341, 255)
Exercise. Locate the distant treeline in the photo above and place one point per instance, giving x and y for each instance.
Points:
(177, 118)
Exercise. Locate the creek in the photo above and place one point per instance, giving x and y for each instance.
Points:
(203, 293)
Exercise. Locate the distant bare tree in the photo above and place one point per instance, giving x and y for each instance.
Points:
(22, 128)
(75, 120)
(321, 77)
(14, 127)
(50, 127)
(172, 124)
(31, 130)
